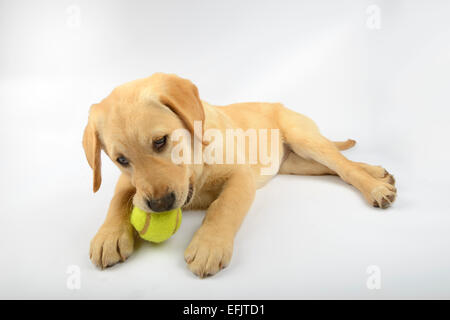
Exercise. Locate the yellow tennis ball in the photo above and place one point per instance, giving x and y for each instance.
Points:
(156, 227)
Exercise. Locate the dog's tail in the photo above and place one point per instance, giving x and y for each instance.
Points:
(344, 145)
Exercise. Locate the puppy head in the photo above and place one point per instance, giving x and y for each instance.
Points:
(133, 126)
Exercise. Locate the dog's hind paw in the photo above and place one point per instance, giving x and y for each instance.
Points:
(383, 196)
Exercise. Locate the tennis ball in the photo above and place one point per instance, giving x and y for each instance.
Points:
(156, 227)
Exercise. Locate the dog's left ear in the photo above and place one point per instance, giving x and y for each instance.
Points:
(92, 148)
(182, 97)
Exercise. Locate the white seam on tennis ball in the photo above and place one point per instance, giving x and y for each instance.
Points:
(146, 225)
(176, 222)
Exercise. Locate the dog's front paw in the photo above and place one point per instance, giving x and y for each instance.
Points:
(208, 253)
(111, 245)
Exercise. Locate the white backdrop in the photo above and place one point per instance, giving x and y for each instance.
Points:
(375, 71)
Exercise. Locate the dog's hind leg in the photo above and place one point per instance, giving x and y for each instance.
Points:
(294, 164)
(304, 139)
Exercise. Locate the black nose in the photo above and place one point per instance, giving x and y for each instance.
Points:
(162, 204)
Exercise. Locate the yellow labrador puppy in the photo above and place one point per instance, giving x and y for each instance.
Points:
(134, 127)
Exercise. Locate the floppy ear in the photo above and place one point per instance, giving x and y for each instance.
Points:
(182, 97)
(92, 149)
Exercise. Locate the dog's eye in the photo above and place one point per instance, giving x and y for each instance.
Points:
(159, 143)
(123, 161)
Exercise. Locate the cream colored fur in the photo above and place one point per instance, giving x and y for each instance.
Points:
(134, 114)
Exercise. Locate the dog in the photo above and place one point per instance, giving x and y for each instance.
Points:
(133, 126)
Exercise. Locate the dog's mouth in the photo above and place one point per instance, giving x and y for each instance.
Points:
(190, 194)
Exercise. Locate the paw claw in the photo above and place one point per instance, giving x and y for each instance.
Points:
(391, 179)
(384, 203)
